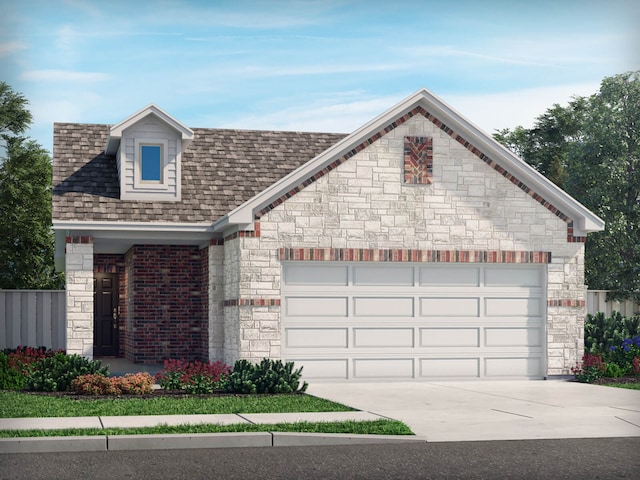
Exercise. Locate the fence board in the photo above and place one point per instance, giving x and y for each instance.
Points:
(32, 318)
(596, 302)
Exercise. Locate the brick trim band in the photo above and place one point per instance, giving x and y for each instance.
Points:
(252, 302)
(83, 239)
(565, 302)
(255, 233)
(409, 255)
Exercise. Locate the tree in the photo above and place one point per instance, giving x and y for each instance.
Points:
(26, 239)
(591, 148)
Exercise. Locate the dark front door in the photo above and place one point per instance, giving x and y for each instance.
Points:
(105, 315)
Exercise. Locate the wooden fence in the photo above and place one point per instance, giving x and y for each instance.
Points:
(596, 302)
(32, 318)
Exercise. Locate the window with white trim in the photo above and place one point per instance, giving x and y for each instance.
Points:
(150, 164)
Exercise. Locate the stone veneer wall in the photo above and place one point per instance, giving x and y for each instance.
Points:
(79, 295)
(167, 303)
(364, 203)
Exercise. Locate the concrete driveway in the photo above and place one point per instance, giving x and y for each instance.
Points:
(506, 410)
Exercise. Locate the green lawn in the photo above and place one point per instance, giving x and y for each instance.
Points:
(19, 405)
(372, 427)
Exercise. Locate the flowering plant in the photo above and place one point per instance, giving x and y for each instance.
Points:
(23, 358)
(626, 355)
(591, 368)
(193, 377)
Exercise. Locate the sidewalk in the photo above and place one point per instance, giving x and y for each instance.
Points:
(172, 441)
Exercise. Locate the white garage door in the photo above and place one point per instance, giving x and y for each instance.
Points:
(411, 321)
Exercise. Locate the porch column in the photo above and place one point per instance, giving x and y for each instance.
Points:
(79, 295)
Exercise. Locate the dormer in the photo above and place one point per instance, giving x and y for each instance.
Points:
(148, 148)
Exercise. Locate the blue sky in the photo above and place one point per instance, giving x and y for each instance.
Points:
(317, 65)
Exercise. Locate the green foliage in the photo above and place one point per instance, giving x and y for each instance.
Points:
(613, 370)
(54, 374)
(591, 148)
(268, 376)
(14, 116)
(602, 333)
(26, 239)
(10, 378)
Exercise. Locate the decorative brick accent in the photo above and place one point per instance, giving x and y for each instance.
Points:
(409, 255)
(216, 241)
(568, 302)
(252, 302)
(82, 239)
(418, 160)
(255, 233)
(571, 238)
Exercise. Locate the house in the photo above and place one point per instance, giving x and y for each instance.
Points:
(416, 247)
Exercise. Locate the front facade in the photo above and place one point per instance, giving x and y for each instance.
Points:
(414, 248)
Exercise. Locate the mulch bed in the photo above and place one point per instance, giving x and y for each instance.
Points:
(607, 381)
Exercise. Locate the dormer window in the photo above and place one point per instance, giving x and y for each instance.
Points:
(148, 148)
(151, 163)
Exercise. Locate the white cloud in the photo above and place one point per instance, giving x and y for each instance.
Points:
(9, 48)
(519, 107)
(64, 76)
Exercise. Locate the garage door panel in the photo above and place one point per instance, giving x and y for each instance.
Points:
(383, 307)
(449, 337)
(517, 366)
(316, 275)
(383, 276)
(513, 337)
(512, 307)
(383, 368)
(316, 338)
(450, 368)
(314, 306)
(383, 337)
(449, 307)
(512, 277)
(322, 368)
(458, 277)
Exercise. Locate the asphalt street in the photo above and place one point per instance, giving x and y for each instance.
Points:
(603, 458)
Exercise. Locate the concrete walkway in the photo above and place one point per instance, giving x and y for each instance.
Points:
(507, 410)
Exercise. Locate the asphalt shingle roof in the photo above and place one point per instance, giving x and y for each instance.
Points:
(221, 169)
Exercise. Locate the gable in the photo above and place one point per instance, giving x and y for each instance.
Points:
(423, 104)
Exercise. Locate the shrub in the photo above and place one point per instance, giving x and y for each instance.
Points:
(10, 378)
(268, 376)
(601, 333)
(591, 368)
(193, 377)
(97, 384)
(624, 354)
(54, 374)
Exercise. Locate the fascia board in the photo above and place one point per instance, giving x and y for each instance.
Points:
(73, 225)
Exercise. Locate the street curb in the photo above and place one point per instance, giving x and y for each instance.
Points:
(187, 441)
(92, 443)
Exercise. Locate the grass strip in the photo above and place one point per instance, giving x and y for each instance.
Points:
(26, 405)
(630, 386)
(369, 427)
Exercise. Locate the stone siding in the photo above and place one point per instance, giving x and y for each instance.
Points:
(79, 295)
(364, 203)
